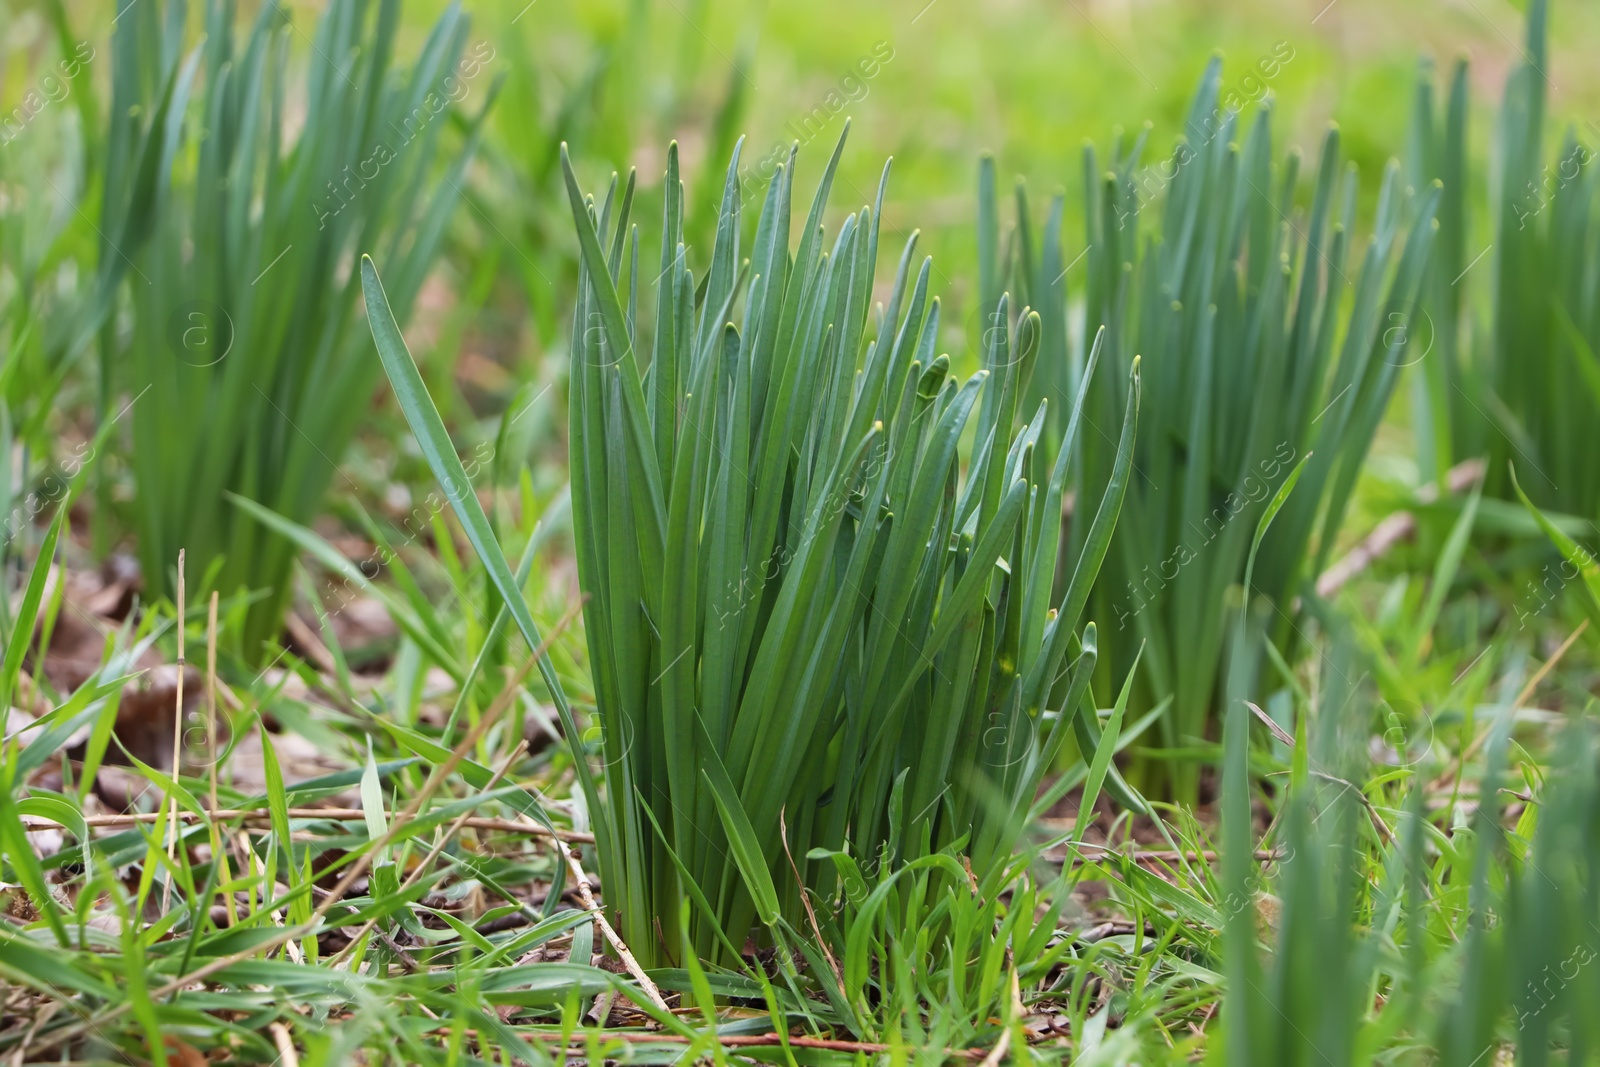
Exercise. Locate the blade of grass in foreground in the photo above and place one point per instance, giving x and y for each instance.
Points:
(434, 441)
(1575, 553)
(22, 627)
(311, 542)
(227, 233)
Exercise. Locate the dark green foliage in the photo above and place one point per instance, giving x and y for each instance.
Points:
(1262, 348)
(241, 278)
(1521, 383)
(1466, 931)
(800, 613)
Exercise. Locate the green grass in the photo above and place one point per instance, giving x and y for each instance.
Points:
(240, 279)
(769, 549)
(1267, 351)
(794, 729)
(1517, 379)
(1393, 912)
(1509, 375)
(50, 301)
(1543, 378)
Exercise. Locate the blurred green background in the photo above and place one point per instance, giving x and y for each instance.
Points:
(931, 84)
(1028, 81)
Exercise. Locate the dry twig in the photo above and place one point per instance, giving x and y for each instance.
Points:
(1471, 750)
(1398, 527)
(177, 750)
(586, 894)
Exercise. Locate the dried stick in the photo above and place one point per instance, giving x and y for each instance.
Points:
(636, 1037)
(1000, 1049)
(217, 850)
(833, 964)
(177, 750)
(35, 824)
(1394, 529)
(1471, 750)
(586, 895)
(286, 1050)
(211, 694)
